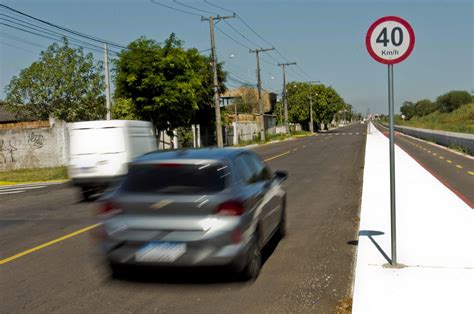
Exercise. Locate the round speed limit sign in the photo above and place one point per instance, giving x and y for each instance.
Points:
(390, 40)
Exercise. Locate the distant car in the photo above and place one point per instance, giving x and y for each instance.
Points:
(197, 207)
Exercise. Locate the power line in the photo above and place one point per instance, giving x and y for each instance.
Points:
(43, 30)
(173, 8)
(193, 8)
(232, 38)
(13, 46)
(259, 36)
(215, 5)
(241, 35)
(22, 40)
(45, 36)
(93, 38)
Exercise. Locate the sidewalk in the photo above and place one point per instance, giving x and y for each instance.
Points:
(435, 240)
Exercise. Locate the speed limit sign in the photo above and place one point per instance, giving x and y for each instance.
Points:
(390, 40)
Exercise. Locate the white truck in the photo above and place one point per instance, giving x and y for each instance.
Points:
(100, 151)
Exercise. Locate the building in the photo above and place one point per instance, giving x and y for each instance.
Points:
(250, 95)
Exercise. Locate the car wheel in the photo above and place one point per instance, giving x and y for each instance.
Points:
(282, 224)
(254, 262)
(117, 271)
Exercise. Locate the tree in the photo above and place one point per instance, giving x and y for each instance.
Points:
(408, 109)
(424, 107)
(205, 115)
(64, 83)
(159, 81)
(326, 102)
(453, 100)
(169, 86)
(123, 109)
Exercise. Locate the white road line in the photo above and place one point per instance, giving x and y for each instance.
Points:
(22, 189)
(14, 192)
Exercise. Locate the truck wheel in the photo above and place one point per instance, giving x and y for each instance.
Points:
(86, 193)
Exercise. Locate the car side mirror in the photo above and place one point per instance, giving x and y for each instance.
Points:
(281, 175)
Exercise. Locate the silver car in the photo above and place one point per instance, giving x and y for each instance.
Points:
(197, 207)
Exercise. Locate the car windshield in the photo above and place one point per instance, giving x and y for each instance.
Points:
(177, 178)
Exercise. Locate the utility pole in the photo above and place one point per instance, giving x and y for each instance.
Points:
(285, 100)
(107, 81)
(311, 128)
(217, 102)
(259, 87)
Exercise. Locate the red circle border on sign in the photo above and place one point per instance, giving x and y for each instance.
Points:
(395, 19)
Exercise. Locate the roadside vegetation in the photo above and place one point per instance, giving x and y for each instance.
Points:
(452, 111)
(33, 175)
(460, 120)
(275, 137)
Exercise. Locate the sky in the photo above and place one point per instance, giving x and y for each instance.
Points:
(325, 37)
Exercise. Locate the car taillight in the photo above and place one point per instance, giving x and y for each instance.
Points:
(232, 208)
(109, 208)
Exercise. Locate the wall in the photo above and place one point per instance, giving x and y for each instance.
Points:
(33, 148)
(444, 138)
(248, 131)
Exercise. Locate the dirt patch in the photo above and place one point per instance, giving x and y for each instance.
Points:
(344, 306)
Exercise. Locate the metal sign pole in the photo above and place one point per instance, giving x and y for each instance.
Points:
(392, 166)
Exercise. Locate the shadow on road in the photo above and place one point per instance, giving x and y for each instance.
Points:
(193, 275)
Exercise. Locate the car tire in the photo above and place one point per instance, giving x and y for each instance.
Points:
(282, 230)
(117, 271)
(254, 262)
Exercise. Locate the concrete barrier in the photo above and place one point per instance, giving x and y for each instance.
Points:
(448, 139)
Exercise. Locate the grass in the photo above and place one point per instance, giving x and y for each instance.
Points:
(275, 137)
(460, 120)
(33, 175)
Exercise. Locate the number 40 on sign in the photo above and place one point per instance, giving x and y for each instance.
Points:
(390, 40)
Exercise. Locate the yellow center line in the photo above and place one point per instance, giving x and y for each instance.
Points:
(449, 161)
(459, 166)
(471, 173)
(42, 246)
(429, 151)
(434, 154)
(274, 157)
(441, 157)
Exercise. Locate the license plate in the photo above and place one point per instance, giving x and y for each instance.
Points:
(160, 252)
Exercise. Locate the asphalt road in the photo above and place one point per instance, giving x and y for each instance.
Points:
(454, 170)
(310, 271)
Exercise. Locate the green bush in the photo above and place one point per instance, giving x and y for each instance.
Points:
(453, 100)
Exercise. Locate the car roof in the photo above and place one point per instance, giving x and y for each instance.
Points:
(192, 154)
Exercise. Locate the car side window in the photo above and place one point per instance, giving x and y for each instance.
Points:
(245, 170)
(262, 172)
